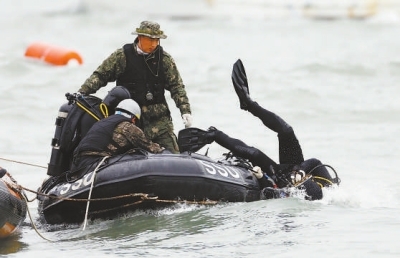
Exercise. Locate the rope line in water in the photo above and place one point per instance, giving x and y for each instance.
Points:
(33, 224)
(24, 163)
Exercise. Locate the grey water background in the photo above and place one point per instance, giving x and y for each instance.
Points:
(335, 81)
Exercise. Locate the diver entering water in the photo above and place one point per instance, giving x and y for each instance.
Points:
(292, 168)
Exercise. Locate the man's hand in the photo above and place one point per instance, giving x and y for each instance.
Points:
(297, 176)
(257, 172)
(187, 120)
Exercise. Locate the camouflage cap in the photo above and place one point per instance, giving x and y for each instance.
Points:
(150, 29)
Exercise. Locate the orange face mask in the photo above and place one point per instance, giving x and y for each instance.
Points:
(147, 44)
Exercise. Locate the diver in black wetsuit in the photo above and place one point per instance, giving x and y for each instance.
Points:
(292, 168)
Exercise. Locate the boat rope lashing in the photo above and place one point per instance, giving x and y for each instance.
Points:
(104, 109)
(90, 191)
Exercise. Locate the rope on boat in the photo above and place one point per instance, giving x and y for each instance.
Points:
(143, 196)
(90, 192)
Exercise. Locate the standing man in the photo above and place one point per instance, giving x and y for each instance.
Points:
(146, 70)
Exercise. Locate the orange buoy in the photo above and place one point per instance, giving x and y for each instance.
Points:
(52, 54)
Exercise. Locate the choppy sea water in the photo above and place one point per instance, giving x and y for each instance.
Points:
(335, 81)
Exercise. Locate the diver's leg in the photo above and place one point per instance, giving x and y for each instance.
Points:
(290, 151)
(289, 147)
(269, 119)
(241, 149)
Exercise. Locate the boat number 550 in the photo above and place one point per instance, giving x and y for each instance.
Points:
(85, 181)
(225, 171)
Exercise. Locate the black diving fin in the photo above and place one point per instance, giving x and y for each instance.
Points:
(240, 84)
(192, 139)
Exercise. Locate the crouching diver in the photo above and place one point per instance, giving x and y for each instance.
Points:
(111, 136)
(74, 120)
(292, 169)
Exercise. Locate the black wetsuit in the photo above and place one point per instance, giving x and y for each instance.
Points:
(290, 152)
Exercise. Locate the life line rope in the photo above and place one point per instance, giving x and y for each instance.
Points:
(24, 163)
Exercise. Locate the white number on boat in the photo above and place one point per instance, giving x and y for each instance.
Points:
(65, 188)
(85, 181)
(225, 171)
(76, 185)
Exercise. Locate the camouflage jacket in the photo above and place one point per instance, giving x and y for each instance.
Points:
(113, 66)
(126, 133)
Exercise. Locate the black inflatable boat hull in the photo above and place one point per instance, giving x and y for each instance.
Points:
(189, 177)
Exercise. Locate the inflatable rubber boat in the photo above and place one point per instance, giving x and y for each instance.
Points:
(13, 207)
(142, 180)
